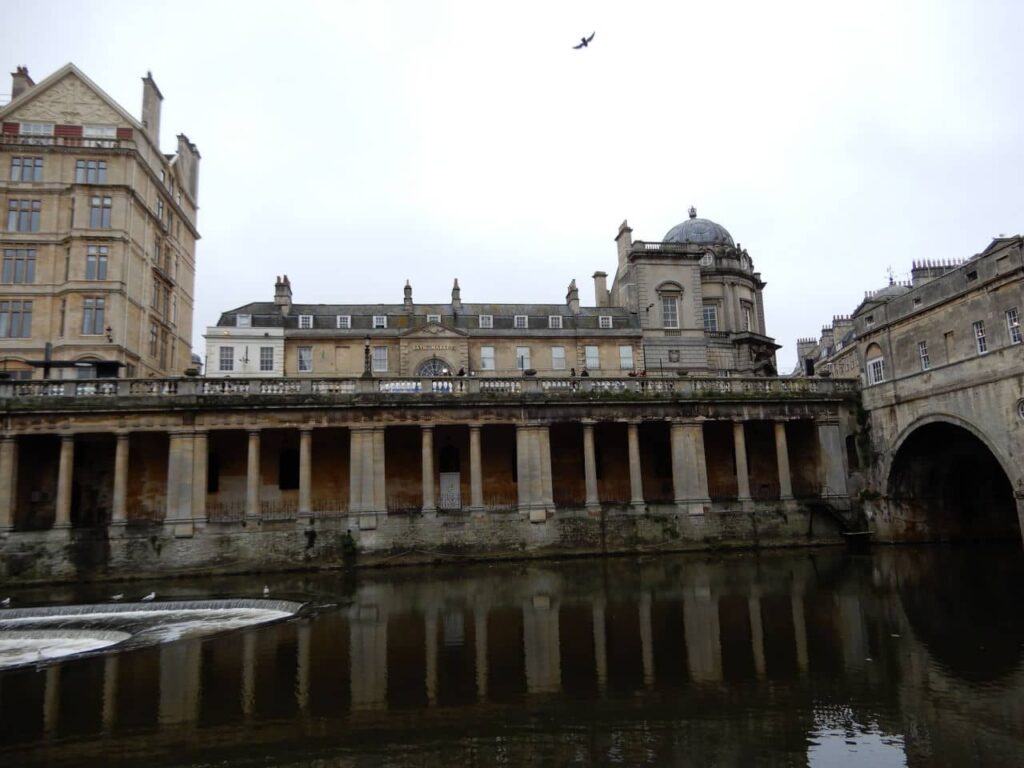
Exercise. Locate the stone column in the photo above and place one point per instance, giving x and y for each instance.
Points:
(547, 490)
(636, 483)
(200, 475)
(305, 472)
(593, 502)
(355, 470)
(689, 466)
(782, 459)
(119, 515)
(427, 450)
(179, 481)
(64, 475)
(740, 448)
(476, 480)
(8, 481)
(252, 479)
(529, 476)
(831, 450)
(380, 503)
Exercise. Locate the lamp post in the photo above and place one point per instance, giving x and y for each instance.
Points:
(367, 374)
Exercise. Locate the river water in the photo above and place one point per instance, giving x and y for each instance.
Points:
(902, 656)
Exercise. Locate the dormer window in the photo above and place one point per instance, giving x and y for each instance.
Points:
(520, 321)
(344, 321)
(41, 133)
(99, 135)
(305, 321)
(243, 321)
(554, 321)
(380, 321)
(486, 321)
(433, 318)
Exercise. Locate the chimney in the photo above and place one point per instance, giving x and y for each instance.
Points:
(283, 294)
(408, 297)
(624, 240)
(572, 298)
(151, 99)
(600, 289)
(188, 159)
(20, 82)
(456, 296)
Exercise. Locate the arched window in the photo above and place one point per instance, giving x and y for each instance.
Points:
(874, 363)
(435, 366)
(669, 294)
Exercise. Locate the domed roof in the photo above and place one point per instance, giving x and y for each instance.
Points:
(702, 231)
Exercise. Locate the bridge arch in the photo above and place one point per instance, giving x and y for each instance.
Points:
(947, 475)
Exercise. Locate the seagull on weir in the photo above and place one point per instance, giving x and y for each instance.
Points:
(584, 42)
(117, 597)
(266, 591)
(148, 597)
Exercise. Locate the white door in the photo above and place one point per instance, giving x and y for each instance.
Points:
(451, 492)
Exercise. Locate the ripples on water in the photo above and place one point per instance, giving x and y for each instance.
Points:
(903, 657)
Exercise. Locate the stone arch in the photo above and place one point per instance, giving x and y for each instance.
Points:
(433, 367)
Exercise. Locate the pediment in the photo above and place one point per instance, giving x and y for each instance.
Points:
(434, 331)
(69, 98)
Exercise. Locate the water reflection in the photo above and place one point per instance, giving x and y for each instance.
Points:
(816, 658)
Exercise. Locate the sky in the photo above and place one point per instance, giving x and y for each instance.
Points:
(357, 145)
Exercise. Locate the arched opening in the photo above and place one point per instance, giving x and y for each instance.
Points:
(434, 367)
(946, 479)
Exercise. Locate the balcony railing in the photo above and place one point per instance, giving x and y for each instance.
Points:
(443, 387)
(89, 142)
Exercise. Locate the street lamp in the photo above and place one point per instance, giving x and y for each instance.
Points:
(367, 374)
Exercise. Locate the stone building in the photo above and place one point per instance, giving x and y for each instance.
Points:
(98, 233)
(939, 358)
(689, 305)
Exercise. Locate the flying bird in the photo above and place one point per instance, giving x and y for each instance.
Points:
(584, 42)
(148, 597)
(117, 597)
(6, 602)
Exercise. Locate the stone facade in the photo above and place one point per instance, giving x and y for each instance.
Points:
(98, 235)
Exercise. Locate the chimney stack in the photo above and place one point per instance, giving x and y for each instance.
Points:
(624, 241)
(20, 82)
(151, 100)
(600, 289)
(572, 298)
(283, 294)
(456, 296)
(408, 296)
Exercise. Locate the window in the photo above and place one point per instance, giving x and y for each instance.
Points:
(266, 358)
(41, 133)
(487, 357)
(100, 135)
(160, 209)
(92, 315)
(154, 336)
(26, 169)
(593, 357)
(96, 262)
(626, 357)
(163, 349)
(979, 337)
(380, 359)
(670, 311)
(380, 321)
(972, 275)
(243, 321)
(748, 317)
(305, 321)
(344, 321)
(876, 370)
(520, 321)
(227, 356)
(90, 171)
(710, 317)
(15, 319)
(869, 320)
(99, 212)
(19, 265)
(23, 215)
(604, 321)
(305, 359)
(486, 321)
(554, 321)
(433, 318)
(522, 358)
(922, 350)
(558, 358)
(1013, 325)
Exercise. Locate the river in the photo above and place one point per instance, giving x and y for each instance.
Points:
(824, 657)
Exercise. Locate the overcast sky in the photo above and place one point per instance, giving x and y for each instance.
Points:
(353, 145)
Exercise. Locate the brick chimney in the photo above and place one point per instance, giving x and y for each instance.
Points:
(151, 100)
(283, 294)
(600, 289)
(20, 82)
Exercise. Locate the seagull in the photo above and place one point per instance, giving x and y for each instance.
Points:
(6, 602)
(117, 597)
(148, 597)
(266, 591)
(584, 42)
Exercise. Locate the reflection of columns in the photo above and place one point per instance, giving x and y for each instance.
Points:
(689, 466)
(248, 673)
(430, 643)
(110, 668)
(120, 511)
(800, 632)
(782, 459)
(252, 477)
(305, 471)
(703, 651)
(8, 481)
(636, 482)
(757, 634)
(600, 646)
(480, 640)
(302, 670)
(476, 482)
(740, 449)
(368, 657)
(832, 472)
(200, 474)
(64, 473)
(540, 646)
(180, 675)
(590, 467)
(646, 639)
(51, 699)
(427, 450)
